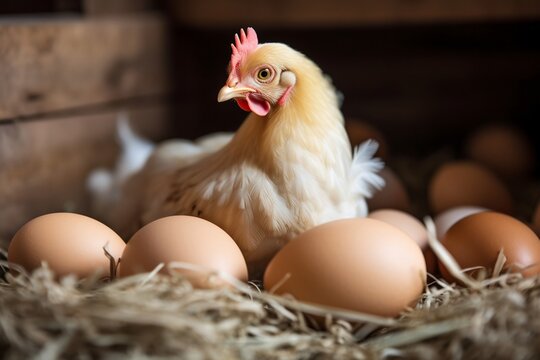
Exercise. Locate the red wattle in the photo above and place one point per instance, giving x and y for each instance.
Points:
(243, 104)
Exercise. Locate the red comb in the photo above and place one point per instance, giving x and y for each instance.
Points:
(243, 45)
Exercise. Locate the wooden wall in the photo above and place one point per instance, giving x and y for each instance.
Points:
(350, 13)
(424, 72)
(65, 77)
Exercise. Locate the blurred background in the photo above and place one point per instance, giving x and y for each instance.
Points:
(424, 73)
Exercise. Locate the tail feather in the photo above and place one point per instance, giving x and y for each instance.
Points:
(364, 171)
(105, 185)
(136, 153)
(365, 168)
(135, 150)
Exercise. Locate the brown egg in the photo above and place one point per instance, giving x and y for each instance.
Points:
(412, 227)
(477, 239)
(405, 222)
(185, 239)
(69, 243)
(359, 264)
(431, 261)
(393, 195)
(465, 183)
(360, 131)
(502, 148)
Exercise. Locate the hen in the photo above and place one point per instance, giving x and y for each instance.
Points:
(289, 166)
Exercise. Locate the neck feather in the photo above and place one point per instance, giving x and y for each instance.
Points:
(310, 120)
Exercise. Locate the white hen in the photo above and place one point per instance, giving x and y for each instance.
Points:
(288, 168)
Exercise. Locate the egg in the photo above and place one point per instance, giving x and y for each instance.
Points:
(393, 195)
(449, 217)
(502, 148)
(405, 222)
(412, 227)
(69, 243)
(432, 264)
(185, 239)
(360, 131)
(466, 183)
(358, 264)
(477, 239)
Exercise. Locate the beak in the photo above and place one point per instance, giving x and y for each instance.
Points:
(227, 93)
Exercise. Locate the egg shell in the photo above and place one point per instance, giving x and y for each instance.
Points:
(186, 239)
(69, 243)
(449, 217)
(502, 148)
(432, 264)
(405, 222)
(466, 183)
(359, 264)
(393, 195)
(477, 239)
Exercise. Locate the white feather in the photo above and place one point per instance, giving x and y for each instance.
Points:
(277, 177)
(135, 150)
(365, 168)
(105, 184)
(214, 141)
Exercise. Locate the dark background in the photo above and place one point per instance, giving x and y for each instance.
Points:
(422, 85)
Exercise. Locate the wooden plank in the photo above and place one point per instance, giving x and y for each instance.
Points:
(116, 7)
(347, 12)
(44, 163)
(39, 6)
(54, 64)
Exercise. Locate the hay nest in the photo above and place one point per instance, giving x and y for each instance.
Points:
(157, 316)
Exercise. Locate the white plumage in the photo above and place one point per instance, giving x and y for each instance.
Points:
(289, 167)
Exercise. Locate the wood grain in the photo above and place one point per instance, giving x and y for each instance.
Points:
(116, 7)
(213, 13)
(44, 164)
(58, 63)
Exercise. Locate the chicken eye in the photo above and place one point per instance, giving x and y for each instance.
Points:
(264, 74)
